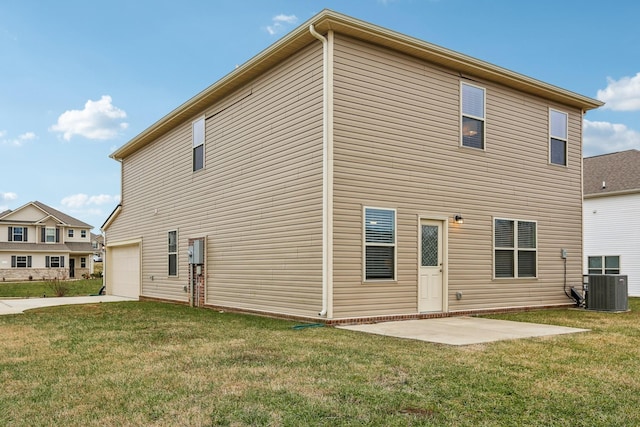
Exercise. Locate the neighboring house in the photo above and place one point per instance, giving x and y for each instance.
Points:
(349, 171)
(97, 244)
(612, 216)
(38, 242)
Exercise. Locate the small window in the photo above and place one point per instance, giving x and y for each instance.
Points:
(83, 234)
(83, 262)
(50, 234)
(70, 233)
(473, 116)
(198, 144)
(515, 253)
(609, 264)
(18, 234)
(54, 261)
(558, 138)
(18, 261)
(172, 250)
(380, 244)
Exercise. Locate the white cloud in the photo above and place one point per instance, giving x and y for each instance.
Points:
(99, 120)
(605, 137)
(8, 196)
(19, 141)
(81, 201)
(621, 95)
(280, 23)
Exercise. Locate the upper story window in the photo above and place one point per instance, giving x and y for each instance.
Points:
(380, 244)
(18, 234)
(50, 235)
(557, 137)
(515, 248)
(472, 104)
(70, 233)
(198, 144)
(83, 234)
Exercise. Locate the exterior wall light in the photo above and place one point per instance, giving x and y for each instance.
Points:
(458, 219)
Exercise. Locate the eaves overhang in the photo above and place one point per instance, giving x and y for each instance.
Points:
(329, 20)
(612, 193)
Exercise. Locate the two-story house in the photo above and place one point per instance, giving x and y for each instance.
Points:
(612, 216)
(38, 242)
(352, 172)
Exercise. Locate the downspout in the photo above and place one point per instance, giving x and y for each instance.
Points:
(326, 200)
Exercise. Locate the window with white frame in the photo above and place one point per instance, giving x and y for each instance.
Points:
(18, 234)
(54, 261)
(198, 144)
(380, 244)
(607, 264)
(83, 262)
(557, 137)
(83, 234)
(20, 261)
(515, 248)
(172, 250)
(473, 115)
(70, 233)
(51, 235)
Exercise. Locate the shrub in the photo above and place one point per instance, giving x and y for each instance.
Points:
(57, 286)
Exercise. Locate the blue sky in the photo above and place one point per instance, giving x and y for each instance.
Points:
(80, 78)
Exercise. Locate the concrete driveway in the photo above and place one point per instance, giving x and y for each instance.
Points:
(17, 306)
(462, 330)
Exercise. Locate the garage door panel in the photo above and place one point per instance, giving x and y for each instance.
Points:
(124, 271)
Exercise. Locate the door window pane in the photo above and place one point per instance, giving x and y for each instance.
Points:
(429, 245)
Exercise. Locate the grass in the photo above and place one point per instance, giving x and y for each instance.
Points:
(40, 288)
(144, 363)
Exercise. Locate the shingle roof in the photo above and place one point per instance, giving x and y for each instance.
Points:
(67, 219)
(612, 173)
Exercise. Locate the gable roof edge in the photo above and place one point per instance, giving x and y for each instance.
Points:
(329, 20)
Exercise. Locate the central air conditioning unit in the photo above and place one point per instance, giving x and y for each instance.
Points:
(608, 292)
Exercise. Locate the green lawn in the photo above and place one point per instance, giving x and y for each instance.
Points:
(38, 289)
(144, 363)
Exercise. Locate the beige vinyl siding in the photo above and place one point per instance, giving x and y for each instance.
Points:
(258, 199)
(396, 145)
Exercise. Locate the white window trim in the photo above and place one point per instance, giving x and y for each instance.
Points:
(560, 138)
(365, 244)
(46, 234)
(13, 234)
(515, 249)
(604, 266)
(172, 253)
(483, 119)
(193, 142)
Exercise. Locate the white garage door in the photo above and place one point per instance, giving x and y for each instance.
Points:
(123, 271)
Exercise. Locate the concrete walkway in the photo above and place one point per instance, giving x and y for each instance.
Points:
(462, 330)
(17, 306)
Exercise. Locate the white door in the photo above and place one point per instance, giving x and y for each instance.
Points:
(430, 288)
(123, 271)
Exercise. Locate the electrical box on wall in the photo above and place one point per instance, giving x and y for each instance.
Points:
(198, 252)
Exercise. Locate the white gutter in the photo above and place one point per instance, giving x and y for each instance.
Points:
(327, 269)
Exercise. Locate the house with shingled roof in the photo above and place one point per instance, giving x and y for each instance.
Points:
(352, 173)
(612, 216)
(39, 242)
